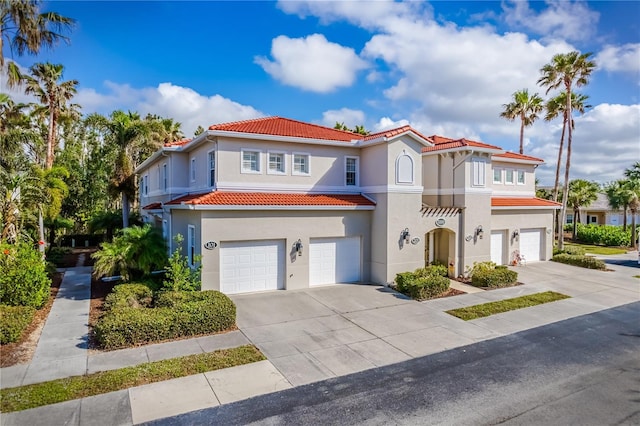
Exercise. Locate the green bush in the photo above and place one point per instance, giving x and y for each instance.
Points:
(176, 314)
(434, 269)
(23, 276)
(494, 278)
(55, 255)
(13, 321)
(606, 235)
(421, 284)
(569, 250)
(579, 260)
(129, 296)
(179, 274)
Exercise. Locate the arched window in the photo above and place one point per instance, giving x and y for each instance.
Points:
(404, 168)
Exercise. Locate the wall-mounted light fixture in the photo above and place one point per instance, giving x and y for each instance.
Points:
(404, 235)
(298, 247)
(515, 235)
(479, 232)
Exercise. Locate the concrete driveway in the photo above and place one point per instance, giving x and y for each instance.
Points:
(323, 332)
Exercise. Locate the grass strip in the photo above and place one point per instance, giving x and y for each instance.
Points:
(591, 249)
(39, 394)
(492, 308)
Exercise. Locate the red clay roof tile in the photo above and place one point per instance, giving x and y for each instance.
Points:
(152, 206)
(442, 143)
(179, 143)
(516, 156)
(522, 202)
(272, 199)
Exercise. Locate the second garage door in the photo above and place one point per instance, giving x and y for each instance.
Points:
(334, 260)
(247, 266)
(497, 247)
(530, 244)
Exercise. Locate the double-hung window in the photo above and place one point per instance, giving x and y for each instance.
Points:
(145, 185)
(211, 160)
(251, 161)
(520, 177)
(300, 164)
(497, 175)
(351, 171)
(192, 170)
(508, 176)
(276, 163)
(478, 171)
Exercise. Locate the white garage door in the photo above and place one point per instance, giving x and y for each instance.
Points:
(251, 266)
(497, 247)
(530, 244)
(334, 260)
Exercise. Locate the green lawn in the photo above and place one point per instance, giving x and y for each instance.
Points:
(591, 249)
(492, 308)
(39, 394)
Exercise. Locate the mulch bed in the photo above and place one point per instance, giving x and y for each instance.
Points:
(449, 293)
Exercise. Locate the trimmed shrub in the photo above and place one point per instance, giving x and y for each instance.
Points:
(23, 276)
(422, 284)
(494, 278)
(607, 235)
(129, 296)
(13, 321)
(579, 260)
(176, 314)
(433, 269)
(569, 250)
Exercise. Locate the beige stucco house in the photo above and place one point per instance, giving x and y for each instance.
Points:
(274, 203)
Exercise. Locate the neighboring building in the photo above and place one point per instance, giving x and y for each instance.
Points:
(275, 203)
(600, 213)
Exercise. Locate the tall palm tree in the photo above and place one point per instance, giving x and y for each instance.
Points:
(581, 194)
(567, 70)
(631, 194)
(633, 172)
(524, 107)
(25, 29)
(44, 83)
(616, 196)
(558, 106)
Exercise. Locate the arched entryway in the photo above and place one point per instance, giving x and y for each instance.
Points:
(440, 247)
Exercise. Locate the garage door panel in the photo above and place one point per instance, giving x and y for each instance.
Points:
(531, 244)
(334, 260)
(497, 247)
(251, 266)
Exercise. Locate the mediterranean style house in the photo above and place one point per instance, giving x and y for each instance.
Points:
(274, 203)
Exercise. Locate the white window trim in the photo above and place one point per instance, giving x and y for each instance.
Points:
(524, 177)
(501, 170)
(483, 170)
(284, 163)
(293, 169)
(258, 161)
(513, 176)
(346, 157)
(412, 181)
(192, 169)
(215, 168)
(190, 244)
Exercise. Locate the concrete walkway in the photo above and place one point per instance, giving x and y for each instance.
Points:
(307, 335)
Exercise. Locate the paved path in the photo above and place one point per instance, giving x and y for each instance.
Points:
(307, 335)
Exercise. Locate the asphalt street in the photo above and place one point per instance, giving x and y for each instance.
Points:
(585, 370)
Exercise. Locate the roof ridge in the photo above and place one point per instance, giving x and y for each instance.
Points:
(248, 120)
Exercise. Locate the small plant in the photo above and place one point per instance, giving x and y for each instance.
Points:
(179, 275)
(23, 276)
(13, 321)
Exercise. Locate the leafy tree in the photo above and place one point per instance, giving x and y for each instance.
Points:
(567, 70)
(618, 199)
(633, 172)
(360, 129)
(19, 192)
(524, 107)
(199, 131)
(581, 194)
(180, 276)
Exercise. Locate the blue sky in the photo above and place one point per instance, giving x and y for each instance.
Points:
(443, 67)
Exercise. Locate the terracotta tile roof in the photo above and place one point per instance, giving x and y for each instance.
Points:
(516, 156)
(279, 126)
(178, 143)
(522, 202)
(272, 199)
(442, 143)
(152, 206)
(394, 132)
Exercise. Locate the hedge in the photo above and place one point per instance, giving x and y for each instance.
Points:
(607, 235)
(23, 276)
(176, 314)
(421, 284)
(13, 321)
(494, 278)
(579, 260)
(570, 250)
(129, 296)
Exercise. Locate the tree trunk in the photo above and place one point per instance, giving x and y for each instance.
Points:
(565, 190)
(50, 139)
(125, 210)
(634, 235)
(41, 232)
(521, 135)
(557, 182)
(576, 216)
(624, 218)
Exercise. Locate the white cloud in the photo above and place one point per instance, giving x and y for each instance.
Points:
(312, 63)
(350, 117)
(624, 58)
(570, 20)
(183, 104)
(388, 123)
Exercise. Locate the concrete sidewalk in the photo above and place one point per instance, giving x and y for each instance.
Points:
(307, 335)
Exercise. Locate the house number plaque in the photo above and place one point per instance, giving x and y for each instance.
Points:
(440, 222)
(210, 245)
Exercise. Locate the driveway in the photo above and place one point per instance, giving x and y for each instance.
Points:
(324, 332)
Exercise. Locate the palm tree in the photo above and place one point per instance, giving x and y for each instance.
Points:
(558, 106)
(27, 30)
(631, 194)
(616, 195)
(524, 107)
(581, 194)
(53, 95)
(567, 70)
(633, 172)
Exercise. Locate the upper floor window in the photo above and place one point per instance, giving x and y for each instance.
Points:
(404, 168)
(351, 171)
(251, 161)
(497, 175)
(145, 185)
(478, 172)
(276, 163)
(165, 177)
(192, 170)
(508, 176)
(520, 177)
(300, 164)
(211, 160)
